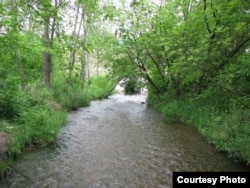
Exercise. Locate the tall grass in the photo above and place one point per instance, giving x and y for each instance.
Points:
(40, 112)
(227, 127)
(72, 96)
(36, 121)
(100, 87)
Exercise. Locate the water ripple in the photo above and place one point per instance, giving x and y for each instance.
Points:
(117, 142)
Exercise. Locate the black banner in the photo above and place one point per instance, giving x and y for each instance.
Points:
(211, 179)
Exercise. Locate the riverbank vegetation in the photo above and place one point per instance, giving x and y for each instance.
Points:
(193, 57)
(45, 71)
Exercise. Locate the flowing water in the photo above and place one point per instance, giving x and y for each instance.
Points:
(117, 142)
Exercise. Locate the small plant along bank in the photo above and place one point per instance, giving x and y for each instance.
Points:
(224, 126)
(40, 115)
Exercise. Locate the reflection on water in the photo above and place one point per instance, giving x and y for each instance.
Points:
(117, 142)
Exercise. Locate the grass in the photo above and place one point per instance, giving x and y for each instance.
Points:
(71, 97)
(36, 123)
(227, 127)
(41, 112)
(6, 167)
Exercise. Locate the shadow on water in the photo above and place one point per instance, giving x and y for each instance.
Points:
(117, 142)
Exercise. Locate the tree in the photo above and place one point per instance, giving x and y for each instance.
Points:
(49, 12)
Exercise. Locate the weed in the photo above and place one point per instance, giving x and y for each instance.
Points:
(226, 127)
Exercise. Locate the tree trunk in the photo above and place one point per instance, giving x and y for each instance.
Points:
(47, 42)
(46, 67)
(47, 59)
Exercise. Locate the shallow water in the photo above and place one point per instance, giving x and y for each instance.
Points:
(117, 142)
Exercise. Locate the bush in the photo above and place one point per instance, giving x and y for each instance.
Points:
(5, 167)
(37, 120)
(171, 112)
(71, 98)
(9, 97)
(224, 126)
(39, 112)
(41, 125)
(100, 87)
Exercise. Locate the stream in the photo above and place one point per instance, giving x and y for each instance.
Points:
(116, 142)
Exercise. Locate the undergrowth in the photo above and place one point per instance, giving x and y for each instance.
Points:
(37, 113)
(223, 123)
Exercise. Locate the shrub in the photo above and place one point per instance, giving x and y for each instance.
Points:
(9, 97)
(100, 87)
(224, 126)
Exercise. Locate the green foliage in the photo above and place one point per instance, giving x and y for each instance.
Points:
(224, 126)
(100, 87)
(5, 167)
(20, 64)
(37, 121)
(9, 97)
(71, 98)
(194, 56)
(40, 125)
(172, 112)
(130, 86)
(30, 111)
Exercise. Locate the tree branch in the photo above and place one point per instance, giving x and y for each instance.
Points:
(205, 18)
(238, 47)
(155, 63)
